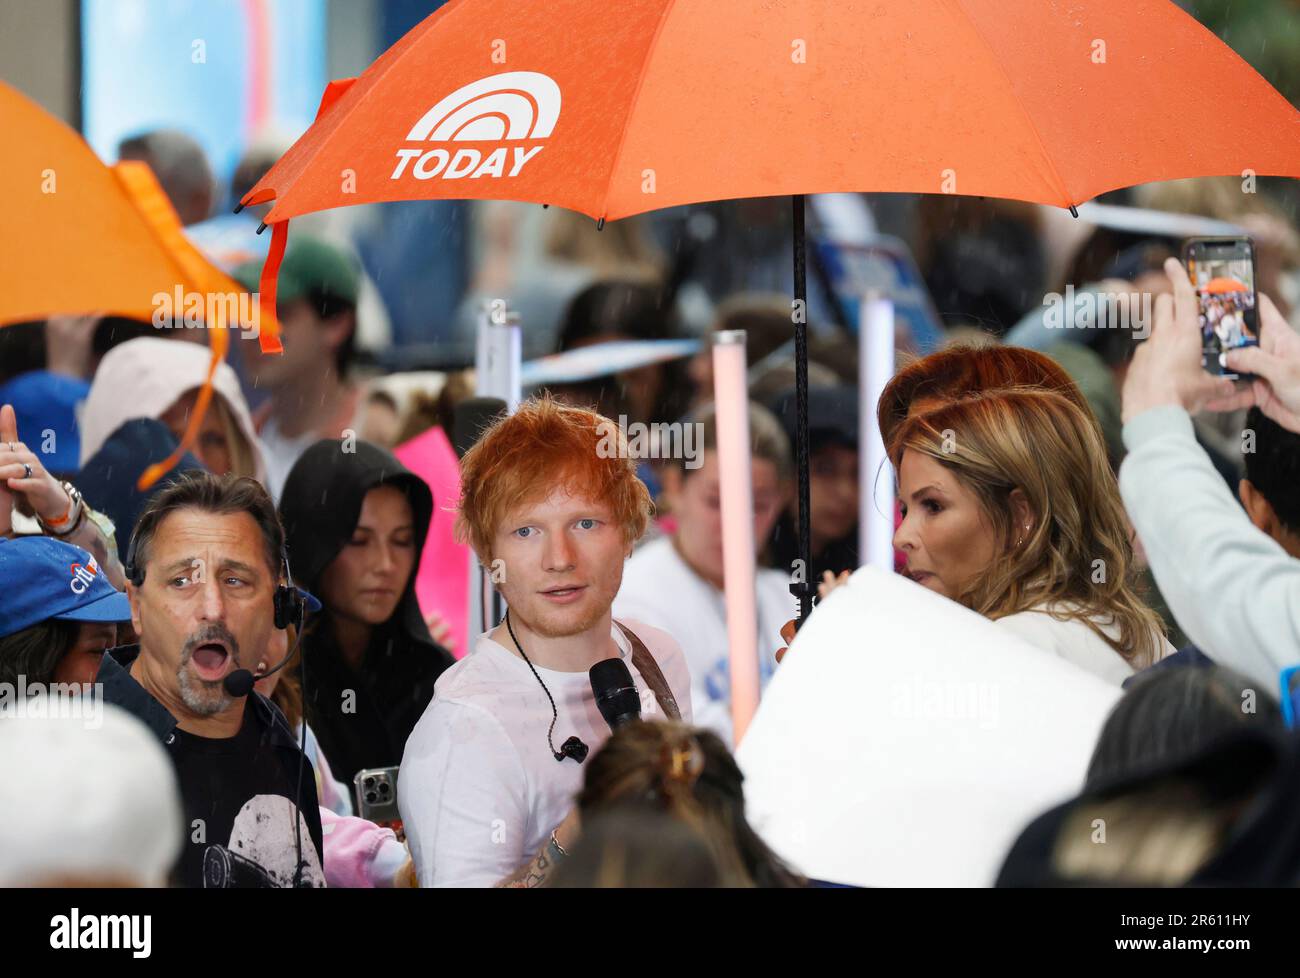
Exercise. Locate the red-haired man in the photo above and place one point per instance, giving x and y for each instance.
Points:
(489, 774)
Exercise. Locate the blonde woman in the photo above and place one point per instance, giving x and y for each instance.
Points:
(160, 378)
(1010, 508)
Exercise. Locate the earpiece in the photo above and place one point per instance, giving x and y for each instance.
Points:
(289, 607)
(133, 574)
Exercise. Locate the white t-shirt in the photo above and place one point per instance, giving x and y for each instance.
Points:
(479, 790)
(661, 589)
(281, 453)
(1075, 642)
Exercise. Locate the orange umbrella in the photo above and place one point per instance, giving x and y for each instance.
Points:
(615, 109)
(612, 109)
(82, 237)
(1217, 285)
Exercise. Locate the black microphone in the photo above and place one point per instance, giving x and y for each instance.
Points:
(471, 417)
(240, 682)
(616, 694)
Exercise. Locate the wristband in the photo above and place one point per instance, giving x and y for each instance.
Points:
(67, 523)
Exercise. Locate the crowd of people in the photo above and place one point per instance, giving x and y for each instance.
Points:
(264, 642)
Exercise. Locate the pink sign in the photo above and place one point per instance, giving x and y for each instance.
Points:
(442, 580)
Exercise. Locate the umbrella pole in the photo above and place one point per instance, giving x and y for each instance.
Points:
(801, 586)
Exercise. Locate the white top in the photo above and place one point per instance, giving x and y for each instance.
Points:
(281, 454)
(1232, 587)
(659, 588)
(479, 790)
(1075, 642)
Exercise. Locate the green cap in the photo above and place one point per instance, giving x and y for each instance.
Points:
(310, 264)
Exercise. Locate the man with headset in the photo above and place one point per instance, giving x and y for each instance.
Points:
(208, 580)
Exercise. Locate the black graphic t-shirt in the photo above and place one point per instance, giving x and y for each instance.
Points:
(238, 796)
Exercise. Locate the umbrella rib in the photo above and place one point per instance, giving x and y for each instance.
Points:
(1038, 138)
(669, 7)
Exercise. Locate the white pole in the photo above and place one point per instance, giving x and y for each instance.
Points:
(498, 360)
(875, 474)
(499, 355)
(731, 402)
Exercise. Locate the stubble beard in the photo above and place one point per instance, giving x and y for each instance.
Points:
(201, 697)
(204, 697)
(548, 624)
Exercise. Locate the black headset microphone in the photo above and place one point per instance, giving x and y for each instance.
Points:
(289, 610)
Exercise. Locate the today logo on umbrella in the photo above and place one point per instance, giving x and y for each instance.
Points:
(516, 106)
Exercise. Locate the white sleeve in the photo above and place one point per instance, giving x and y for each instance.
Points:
(1233, 588)
(462, 795)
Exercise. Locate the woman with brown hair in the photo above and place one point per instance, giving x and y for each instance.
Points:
(687, 773)
(1010, 508)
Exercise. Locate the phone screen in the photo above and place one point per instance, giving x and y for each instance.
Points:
(1222, 271)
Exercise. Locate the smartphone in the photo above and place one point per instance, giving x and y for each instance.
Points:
(376, 791)
(1222, 271)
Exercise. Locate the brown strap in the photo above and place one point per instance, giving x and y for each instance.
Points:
(649, 669)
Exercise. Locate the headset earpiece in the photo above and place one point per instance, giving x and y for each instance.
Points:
(289, 606)
(133, 574)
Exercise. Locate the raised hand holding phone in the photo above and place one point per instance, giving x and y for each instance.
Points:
(1167, 369)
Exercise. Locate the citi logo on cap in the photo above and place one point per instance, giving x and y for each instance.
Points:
(83, 576)
(515, 106)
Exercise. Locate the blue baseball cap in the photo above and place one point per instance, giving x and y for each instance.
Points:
(43, 578)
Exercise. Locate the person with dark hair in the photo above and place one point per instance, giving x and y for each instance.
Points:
(22, 348)
(1170, 713)
(833, 484)
(983, 260)
(1221, 813)
(356, 520)
(208, 581)
(689, 774)
(619, 309)
(311, 396)
(59, 613)
(1270, 491)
